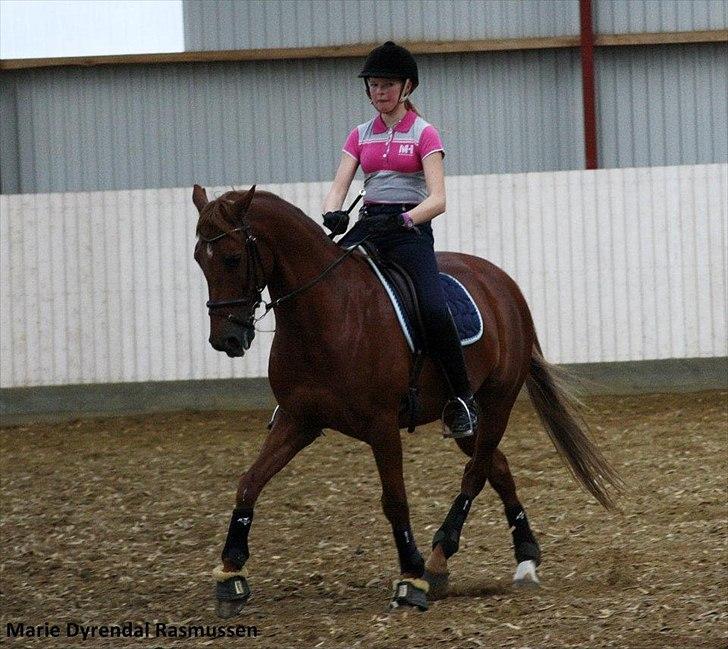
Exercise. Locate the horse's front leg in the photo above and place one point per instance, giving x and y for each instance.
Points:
(410, 589)
(285, 439)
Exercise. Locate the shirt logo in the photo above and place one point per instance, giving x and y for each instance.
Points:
(406, 149)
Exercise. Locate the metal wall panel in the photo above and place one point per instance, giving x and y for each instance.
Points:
(283, 121)
(259, 24)
(9, 151)
(621, 264)
(617, 265)
(635, 16)
(667, 105)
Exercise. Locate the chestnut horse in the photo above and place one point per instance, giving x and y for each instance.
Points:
(339, 361)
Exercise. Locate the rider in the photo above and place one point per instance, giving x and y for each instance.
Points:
(402, 159)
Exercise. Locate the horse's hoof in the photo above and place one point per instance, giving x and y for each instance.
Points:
(438, 584)
(409, 593)
(232, 595)
(525, 576)
(228, 608)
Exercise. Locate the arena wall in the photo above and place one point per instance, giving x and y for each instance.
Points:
(617, 265)
(116, 127)
(224, 25)
(227, 25)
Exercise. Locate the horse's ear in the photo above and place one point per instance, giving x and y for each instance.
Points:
(199, 197)
(242, 204)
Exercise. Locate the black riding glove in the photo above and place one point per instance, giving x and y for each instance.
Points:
(337, 221)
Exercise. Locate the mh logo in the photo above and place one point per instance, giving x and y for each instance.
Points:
(406, 149)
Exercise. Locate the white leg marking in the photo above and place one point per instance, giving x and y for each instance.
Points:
(526, 574)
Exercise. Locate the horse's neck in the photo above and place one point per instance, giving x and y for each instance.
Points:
(302, 253)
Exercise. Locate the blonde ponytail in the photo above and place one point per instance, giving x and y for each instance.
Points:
(410, 106)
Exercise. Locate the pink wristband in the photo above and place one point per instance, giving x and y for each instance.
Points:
(407, 220)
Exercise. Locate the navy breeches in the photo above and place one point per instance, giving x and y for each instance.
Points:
(414, 251)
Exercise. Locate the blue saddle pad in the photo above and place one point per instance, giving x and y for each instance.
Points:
(464, 311)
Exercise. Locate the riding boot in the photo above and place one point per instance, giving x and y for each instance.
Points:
(460, 415)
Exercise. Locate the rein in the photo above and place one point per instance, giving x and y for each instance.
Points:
(315, 280)
(255, 272)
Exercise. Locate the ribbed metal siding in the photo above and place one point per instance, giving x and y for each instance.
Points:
(623, 264)
(616, 265)
(9, 146)
(635, 16)
(259, 24)
(668, 104)
(101, 287)
(283, 121)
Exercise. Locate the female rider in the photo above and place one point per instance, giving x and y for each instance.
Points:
(402, 159)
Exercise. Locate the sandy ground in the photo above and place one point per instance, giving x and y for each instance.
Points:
(110, 520)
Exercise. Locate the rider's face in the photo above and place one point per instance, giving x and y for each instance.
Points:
(384, 93)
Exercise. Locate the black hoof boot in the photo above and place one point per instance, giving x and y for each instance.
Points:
(438, 582)
(232, 594)
(527, 550)
(409, 593)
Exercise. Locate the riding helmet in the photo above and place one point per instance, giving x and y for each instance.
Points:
(391, 61)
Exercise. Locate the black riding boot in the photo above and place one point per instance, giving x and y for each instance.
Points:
(461, 413)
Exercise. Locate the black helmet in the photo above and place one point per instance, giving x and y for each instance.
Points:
(391, 61)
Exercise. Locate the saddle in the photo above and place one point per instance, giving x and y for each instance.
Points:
(398, 280)
(403, 296)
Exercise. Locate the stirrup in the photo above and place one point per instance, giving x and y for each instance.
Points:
(465, 431)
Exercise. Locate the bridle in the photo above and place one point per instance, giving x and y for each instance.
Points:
(255, 279)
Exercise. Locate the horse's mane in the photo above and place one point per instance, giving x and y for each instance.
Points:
(217, 215)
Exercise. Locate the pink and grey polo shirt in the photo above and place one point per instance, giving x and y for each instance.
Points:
(391, 158)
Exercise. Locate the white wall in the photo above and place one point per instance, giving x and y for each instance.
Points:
(621, 264)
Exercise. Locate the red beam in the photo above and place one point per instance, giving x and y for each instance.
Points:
(587, 84)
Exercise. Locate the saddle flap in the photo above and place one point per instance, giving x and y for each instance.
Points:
(401, 292)
(401, 284)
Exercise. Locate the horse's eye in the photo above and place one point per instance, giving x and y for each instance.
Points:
(231, 262)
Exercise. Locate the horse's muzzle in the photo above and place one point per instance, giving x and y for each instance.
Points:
(234, 341)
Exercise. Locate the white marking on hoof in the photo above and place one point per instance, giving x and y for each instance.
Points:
(526, 575)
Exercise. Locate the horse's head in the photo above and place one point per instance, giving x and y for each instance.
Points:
(228, 254)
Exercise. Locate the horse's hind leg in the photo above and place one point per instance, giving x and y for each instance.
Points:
(525, 546)
(496, 409)
(285, 439)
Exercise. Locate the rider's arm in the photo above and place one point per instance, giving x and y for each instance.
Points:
(342, 181)
(434, 204)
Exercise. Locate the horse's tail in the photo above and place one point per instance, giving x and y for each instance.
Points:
(557, 408)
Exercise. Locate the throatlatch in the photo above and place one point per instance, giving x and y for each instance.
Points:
(448, 536)
(236, 544)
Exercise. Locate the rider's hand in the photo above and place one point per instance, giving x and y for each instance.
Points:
(337, 221)
(383, 224)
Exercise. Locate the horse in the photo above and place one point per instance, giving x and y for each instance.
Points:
(329, 368)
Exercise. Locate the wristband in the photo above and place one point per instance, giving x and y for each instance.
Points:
(407, 221)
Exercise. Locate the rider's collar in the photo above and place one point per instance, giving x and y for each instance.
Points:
(404, 125)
